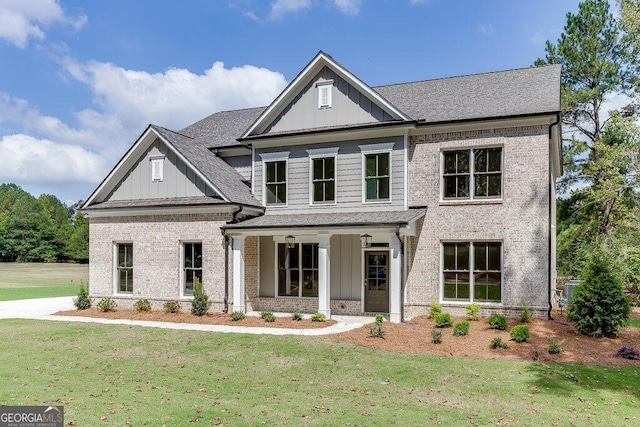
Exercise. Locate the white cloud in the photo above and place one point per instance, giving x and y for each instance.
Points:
(21, 20)
(279, 8)
(486, 29)
(348, 7)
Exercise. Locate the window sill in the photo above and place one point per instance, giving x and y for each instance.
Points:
(291, 297)
(466, 303)
(320, 204)
(471, 202)
(377, 202)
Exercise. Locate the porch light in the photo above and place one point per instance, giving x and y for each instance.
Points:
(291, 241)
(366, 240)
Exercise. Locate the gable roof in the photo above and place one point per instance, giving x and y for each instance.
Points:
(223, 128)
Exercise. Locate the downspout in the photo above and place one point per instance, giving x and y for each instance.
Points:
(227, 238)
(551, 183)
(402, 284)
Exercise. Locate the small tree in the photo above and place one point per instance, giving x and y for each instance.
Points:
(83, 301)
(599, 306)
(200, 303)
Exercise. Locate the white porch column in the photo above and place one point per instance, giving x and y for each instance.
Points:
(324, 275)
(238, 274)
(395, 280)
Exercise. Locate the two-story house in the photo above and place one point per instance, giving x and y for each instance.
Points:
(343, 198)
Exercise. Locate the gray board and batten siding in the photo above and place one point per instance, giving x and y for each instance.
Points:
(349, 178)
(349, 106)
(179, 180)
(346, 267)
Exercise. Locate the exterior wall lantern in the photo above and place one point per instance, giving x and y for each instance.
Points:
(291, 241)
(366, 240)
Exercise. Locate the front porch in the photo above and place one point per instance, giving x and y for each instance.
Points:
(351, 264)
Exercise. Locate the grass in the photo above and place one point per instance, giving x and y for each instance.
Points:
(635, 322)
(122, 375)
(35, 280)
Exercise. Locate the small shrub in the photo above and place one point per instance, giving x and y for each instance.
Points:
(434, 310)
(443, 320)
(555, 348)
(171, 306)
(318, 317)
(107, 304)
(628, 353)
(83, 301)
(268, 316)
(436, 336)
(520, 333)
(236, 316)
(296, 316)
(377, 329)
(498, 321)
(525, 316)
(473, 311)
(498, 343)
(461, 328)
(200, 303)
(142, 305)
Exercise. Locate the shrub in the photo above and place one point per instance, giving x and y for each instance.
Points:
(171, 306)
(443, 320)
(498, 321)
(318, 317)
(599, 306)
(628, 353)
(142, 305)
(520, 333)
(473, 311)
(525, 316)
(555, 348)
(498, 343)
(107, 304)
(236, 316)
(434, 310)
(83, 301)
(268, 316)
(200, 303)
(377, 330)
(461, 328)
(296, 316)
(436, 336)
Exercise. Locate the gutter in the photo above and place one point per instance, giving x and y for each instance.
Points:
(234, 220)
(551, 267)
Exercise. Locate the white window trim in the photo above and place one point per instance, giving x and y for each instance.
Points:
(472, 261)
(328, 86)
(182, 276)
(471, 199)
(116, 278)
(299, 241)
(275, 157)
(377, 149)
(157, 161)
(323, 153)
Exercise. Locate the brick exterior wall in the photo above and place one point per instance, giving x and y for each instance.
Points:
(520, 221)
(156, 256)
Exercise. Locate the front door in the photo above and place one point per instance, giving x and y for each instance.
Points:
(376, 281)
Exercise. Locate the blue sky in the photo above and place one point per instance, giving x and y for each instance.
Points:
(80, 80)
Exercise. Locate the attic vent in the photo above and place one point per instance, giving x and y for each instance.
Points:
(157, 169)
(324, 93)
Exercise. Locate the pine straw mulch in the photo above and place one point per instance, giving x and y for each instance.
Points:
(207, 319)
(415, 337)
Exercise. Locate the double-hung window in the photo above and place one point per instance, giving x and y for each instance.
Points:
(298, 270)
(323, 171)
(274, 170)
(124, 267)
(191, 267)
(472, 271)
(472, 174)
(376, 165)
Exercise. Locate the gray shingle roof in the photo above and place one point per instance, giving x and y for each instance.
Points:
(331, 219)
(220, 173)
(223, 128)
(146, 203)
(523, 91)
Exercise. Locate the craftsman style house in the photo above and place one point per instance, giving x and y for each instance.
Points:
(342, 198)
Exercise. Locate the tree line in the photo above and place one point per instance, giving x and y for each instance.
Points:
(40, 229)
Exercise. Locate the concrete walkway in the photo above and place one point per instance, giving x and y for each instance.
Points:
(43, 309)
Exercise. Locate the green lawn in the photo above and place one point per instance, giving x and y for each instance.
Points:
(34, 280)
(120, 375)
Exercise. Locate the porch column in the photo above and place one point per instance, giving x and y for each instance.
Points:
(238, 274)
(324, 275)
(395, 278)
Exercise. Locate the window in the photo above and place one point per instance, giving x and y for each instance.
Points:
(298, 270)
(323, 179)
(377, 176)
(472, 271)
(324, 94)
(276, 182)
(191, 266)
(157, 169)
(125, 267)
(472, 174)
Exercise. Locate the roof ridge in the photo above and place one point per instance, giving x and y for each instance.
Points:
(172, 131)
